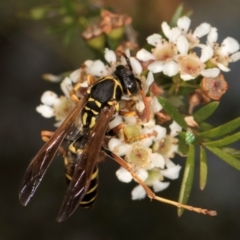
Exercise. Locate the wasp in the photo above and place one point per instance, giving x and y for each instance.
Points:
(96, 108)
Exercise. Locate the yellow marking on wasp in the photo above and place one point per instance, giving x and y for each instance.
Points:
(87, 202)
(65, 161)
(94, 112)
(98, 103)
(72, 149)
(87, 108)
(94, 175)
(91, 100)
(93, 122)
(92, 189)
(84, 118)
(68, 176)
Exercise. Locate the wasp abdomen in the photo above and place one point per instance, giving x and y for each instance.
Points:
(69, 163)
(90, 197)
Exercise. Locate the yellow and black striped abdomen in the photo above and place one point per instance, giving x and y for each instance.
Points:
(69, 164)
(90, 197)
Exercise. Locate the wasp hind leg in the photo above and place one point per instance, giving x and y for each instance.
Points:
(150, 193)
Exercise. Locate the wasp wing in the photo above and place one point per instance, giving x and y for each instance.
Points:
(85, 165)
(40, 163)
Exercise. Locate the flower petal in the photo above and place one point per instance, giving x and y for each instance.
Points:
(110, 55)
(159, 186)
(161, 132)
(235, 57)
(123, 175)
(98, 69)
(49, 98)
(202, 30)
(138, 193)
(45, 111)
(210, 72)
(155, 39)
(171, 173)
(156, 67)
(223, 67)
(142, 174)
(166, 29)
(182, 45)
(66, 86)
(171, 68)
(186, 77)
(74, 76)
(229, 45)
(207, 53)
(175, 128)
(150, 79)
(155, 104)
(212, 36)
(184, 23)
(157, 160)
(144, 55)
(137, 67)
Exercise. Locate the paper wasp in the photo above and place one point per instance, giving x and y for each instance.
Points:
(96, 109)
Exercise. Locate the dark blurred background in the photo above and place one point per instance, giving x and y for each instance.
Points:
(26, 52)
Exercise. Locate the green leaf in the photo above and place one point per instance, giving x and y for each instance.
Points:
(203, 126)
(228, 158)
(221, 130)
(205, 112)
(203, 168)
(224, 141)
(173, 112)
(69, 6)
(187, 180)
(69, 35)
(232, 151)
(182, 147)
(178, 13)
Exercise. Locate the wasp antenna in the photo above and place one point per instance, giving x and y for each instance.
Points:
(127, 59)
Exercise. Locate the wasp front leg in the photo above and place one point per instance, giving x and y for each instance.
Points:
(79, 86)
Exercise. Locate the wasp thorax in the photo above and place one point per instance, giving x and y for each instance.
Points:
(127, 79)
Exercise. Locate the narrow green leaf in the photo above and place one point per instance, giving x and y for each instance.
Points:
(203, 126)
(224, 141)
(69, 6)
(177, 14)
(205, 112)
(232, 151)
(182, 147)
(222, 130)
(173, 112)
(187, 180)
(228, 158)
(203, 168)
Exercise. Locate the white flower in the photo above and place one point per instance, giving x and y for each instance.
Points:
(110, 56)
(175, 129)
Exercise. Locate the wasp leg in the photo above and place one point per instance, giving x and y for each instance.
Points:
(46, 135)
(121, 126)
(146, 112)
(73, 93)
(150, 193)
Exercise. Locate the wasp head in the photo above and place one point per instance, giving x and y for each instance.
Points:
(129, 82)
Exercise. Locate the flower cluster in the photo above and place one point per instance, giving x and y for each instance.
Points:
(140, 140)
(174, 53)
